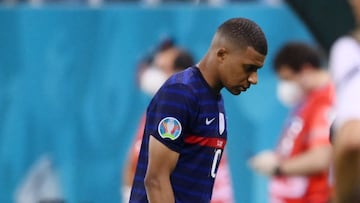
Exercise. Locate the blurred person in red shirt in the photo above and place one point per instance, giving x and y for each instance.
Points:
(299, 165)
(168, 60)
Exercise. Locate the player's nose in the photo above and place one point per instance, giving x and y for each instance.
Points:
(253, 78)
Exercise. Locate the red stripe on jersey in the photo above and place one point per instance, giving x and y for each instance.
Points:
(215, 142)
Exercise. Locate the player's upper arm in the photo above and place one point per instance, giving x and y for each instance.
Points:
(162, 160)
(169, 118)
(347, 135)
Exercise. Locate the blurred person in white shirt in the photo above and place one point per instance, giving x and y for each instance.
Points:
(345, 68)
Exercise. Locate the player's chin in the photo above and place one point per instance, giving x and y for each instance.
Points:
(235, 91)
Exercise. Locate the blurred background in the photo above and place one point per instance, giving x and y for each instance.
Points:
(69, 99)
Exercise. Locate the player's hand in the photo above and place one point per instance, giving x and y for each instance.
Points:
(265, 163)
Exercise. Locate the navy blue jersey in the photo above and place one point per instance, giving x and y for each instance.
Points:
(188, 117)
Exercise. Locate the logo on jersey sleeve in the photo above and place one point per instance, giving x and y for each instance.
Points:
(169, 127)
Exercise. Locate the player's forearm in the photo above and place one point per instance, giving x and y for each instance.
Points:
(159, 191)
(311, 162)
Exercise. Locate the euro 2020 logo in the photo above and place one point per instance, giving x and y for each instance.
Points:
(169, 127)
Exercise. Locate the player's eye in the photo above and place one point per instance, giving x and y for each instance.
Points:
(251, 68)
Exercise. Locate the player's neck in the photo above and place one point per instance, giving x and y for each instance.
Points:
(209, 74)
(323, 78)
(319, 79)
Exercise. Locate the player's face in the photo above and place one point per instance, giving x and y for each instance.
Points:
(355, 4)
(164, 60)
(238, 69)
(301, 78)
(286, 73)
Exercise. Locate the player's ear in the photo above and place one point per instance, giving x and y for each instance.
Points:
(221, 54)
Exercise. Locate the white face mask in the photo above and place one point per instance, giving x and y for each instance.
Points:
(289, 93)
(151, 80)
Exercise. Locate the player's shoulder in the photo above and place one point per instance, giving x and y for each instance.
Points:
(344, 56)
(323, 96)
(184, 80)
(179, 87)
(344, 44)
(185, 77)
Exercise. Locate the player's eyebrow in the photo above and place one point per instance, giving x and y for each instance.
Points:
(252, 67)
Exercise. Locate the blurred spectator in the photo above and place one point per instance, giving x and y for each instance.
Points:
(345, 69)
(153, 72)
(41, 184)
(298, 167)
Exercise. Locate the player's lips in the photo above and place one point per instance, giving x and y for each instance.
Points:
(243, 89)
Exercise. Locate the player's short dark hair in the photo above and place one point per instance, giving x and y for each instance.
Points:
(296, 54)
(183, 60)
(244, 32)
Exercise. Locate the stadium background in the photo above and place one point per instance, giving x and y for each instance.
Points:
(68, 90)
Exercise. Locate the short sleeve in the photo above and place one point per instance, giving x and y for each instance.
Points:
(345, 68)
(319, 126)
(170, 114)
(344, 56)
(348, 101)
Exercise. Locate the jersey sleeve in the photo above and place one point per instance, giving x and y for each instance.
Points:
(344, 56)
(319, 126)
(348, 100)
(345, 67)
(170, 114)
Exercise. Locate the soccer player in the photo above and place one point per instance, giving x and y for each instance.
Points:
(167, 61)
(345, 68)
(300, 163)
(185, 131)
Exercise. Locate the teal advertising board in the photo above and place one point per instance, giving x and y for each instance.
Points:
(68, 89)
